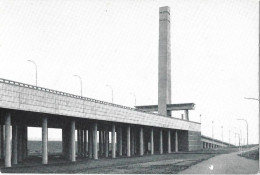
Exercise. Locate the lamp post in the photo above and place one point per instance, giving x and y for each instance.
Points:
(259, 93)
(246, 131)
(134, 97)
(35, 69)
(111, 90)
(80, 83)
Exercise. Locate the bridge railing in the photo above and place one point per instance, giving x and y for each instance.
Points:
(78, 97)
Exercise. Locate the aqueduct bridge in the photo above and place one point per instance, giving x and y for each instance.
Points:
(132, 131)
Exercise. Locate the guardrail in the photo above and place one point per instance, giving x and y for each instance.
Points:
(78, 97)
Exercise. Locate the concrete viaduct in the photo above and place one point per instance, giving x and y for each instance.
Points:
(208, 143)
(133, 132)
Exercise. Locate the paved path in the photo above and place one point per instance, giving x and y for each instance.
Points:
(224, 164)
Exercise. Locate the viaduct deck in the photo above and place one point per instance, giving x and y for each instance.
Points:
(132, 131)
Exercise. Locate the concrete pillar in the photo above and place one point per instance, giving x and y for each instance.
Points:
(132, 142)
(24, 142)
(44, 141)
(106, 143)
(90, 143)
(20, 145)
(1, 141)
(72, 151)
(78, 142)
(176, 141)
(113, 141)
(128, 141)
(8, 140)
(161, 142)
(81, 143)
(120, 141)
(86, 137)
(135, 142)
(63, 142)
(84, 143)
(14, 144)
(141, 141)
(152, 142)
(169, 141)
(95, 145)
(187, 114)
(101, 142)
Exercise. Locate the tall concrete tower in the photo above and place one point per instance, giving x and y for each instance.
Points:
(164, 69)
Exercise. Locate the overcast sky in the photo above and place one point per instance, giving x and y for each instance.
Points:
(214, 53)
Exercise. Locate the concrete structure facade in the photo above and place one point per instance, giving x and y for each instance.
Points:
(133, 132)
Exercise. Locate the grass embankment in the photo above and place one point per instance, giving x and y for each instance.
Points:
(254, 154)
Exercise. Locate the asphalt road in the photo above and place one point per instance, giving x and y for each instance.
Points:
(224, 164)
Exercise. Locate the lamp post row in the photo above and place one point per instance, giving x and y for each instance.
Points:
(36, 83)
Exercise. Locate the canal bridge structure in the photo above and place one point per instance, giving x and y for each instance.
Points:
(133, 132)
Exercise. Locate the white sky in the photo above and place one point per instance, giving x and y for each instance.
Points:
(214, 54)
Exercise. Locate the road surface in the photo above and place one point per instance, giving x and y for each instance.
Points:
(224, 164)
